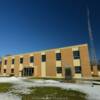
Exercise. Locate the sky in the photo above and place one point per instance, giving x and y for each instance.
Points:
(33, 25)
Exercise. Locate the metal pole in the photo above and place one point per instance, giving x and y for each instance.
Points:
(93, 51)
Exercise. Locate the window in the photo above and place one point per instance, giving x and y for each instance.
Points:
(91, 68)
(12, 70)
(13, 60)
(4, 70)
(43, 58)
(31, 59)
(76, 54)
(77, 69)
(58, 56)
(98, 67)
(0, 62)
(21, 60)
(59, 69)
(5, 62)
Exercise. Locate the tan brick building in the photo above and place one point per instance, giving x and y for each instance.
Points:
(53, 63)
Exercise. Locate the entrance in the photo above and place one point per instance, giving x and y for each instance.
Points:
(28, 72)
(68, 73)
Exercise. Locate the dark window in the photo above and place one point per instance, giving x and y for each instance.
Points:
(43, 58)
(91, 67)
(4, 70)
(58, 56)
(77, 69)
(31, 59)
(0, 62)
(13, 60)
(5, 62)
(76, 54)
(59, 69)
(21, 60)
(98, 67)
(12, 70)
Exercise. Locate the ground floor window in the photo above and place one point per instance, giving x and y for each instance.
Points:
(77, 69)
(59, 69)
(4, 70)
(98, 67)
(12, 70)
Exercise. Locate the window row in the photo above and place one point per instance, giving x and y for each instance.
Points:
(58, 69)
(21, 60)
(76, 55)
(43, 59)
(77, 69)
(12, 70)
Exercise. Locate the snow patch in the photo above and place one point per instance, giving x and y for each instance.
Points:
(9, 79)
(8, 96)
(22, 85)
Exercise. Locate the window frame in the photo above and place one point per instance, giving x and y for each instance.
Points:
(76, 54)
(31, 59)
(58, 56)
(12, 70)
(21, 60)
(43, 58)
(59, 70)
(78, 69)
(5, 70)
(13, 61)
(5, 62)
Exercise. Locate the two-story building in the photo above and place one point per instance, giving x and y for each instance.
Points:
(53, 63)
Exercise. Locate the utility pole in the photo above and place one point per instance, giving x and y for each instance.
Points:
(92, 47)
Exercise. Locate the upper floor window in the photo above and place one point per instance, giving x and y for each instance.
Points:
(77, 69)
(76, 54)
(58, 56)
(5, 62)
(21, 60)
(43, 58)
(13, 60)
(31, 59)
(59, 69)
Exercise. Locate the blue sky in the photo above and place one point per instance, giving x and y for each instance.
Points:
(33, 25)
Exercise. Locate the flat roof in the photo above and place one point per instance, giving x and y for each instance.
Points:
(47, 50)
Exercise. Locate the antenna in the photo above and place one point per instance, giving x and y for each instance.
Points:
(93, 51)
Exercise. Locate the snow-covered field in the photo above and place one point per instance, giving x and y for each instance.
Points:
(22, 85)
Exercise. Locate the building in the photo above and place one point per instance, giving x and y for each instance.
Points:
(53, 63)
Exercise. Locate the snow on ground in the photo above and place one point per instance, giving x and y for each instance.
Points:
(9, 96)
(9, 79)
(22, 85)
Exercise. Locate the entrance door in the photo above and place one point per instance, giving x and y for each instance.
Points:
(68, 73)
(28, 72)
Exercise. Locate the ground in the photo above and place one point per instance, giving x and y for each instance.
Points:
(12, 88)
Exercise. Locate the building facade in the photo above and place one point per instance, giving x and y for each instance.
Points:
(53, 63)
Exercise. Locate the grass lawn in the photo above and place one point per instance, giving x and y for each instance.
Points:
(5, 87)
(54, 93)
(46, 93)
